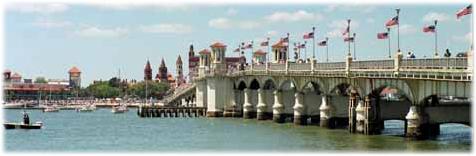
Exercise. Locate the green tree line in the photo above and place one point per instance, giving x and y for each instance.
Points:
(115, 88)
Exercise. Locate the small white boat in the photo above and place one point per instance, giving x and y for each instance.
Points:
(119, 109)
(13, 105)
(86, 108)
(51, 109)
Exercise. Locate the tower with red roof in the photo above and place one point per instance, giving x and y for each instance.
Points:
(74, 77)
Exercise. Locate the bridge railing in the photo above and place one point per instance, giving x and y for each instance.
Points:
(259, 67)
(435, 63)
(277, 67)
(373, 64)
(330, 66)
(300, 66)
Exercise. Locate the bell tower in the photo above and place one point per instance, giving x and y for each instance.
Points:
(179, 65)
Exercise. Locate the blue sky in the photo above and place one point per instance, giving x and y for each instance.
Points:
(48, 39)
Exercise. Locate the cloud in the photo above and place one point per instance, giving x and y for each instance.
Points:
(133, 6)
(38, 8)
(337, 27)
(464, 38)
(225, 23)
(432, 16)
(166, 28)
(407, 29)
(96, 32)
(47, 23)
(299, 15)
(231, 12)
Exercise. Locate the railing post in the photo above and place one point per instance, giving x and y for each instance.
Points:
(313, 63)
(348, 61)
(267, 68)
(397, 61)
(287, 67)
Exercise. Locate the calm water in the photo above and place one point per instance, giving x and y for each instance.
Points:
(67, 131)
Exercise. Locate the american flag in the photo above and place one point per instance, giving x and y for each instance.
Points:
(301, 46)
(248, 46)
(308, 35)
(323, 43)
(346, 31)
(286, 39)
(265, 43)
(349, 39)
(391, 22)
(383, 35)
(237, 50)
(430, 28)
(465, 11)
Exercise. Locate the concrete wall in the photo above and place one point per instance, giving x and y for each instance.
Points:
(201, 94)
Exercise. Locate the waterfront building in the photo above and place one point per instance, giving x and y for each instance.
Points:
(192, 64)
(14, 88)
(179, 78)
(162, 74)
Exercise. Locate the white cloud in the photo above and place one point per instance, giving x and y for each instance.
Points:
(338, 26)
(432, 16)
(47, 23)
(93, 31)
(299, 15)
(132, 6)
(231, 12)
(407, 29)
(465, 38)
(38, 8)
(225, 23)
(166, 28)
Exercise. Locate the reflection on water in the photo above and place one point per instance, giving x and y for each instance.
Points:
(104, 131)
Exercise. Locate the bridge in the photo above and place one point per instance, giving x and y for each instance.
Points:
(431, 91)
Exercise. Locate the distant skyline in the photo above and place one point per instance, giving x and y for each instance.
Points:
(48, 39)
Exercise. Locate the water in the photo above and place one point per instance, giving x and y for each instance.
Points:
(102, 131)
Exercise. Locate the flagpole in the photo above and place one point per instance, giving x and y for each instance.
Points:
(355, 55)
(436, 40)
(313, 43)
(287, 54)
(327, 50)
(398, 30)
(388, 37)
(305, 50)
(348, 37)
(252, 57)
(269, 51)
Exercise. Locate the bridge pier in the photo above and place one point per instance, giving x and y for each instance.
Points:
(300, 118)
(248, 112)
(352, 114)
(261, 107)
(278, 107)
(418, 126)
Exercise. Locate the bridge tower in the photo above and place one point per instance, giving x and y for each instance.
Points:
(201, 86)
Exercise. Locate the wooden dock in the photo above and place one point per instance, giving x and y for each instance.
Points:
(163, 112)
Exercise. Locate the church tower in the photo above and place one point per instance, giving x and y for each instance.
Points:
(162, 75)
(179, 66)
(147, 71)
(191, 53)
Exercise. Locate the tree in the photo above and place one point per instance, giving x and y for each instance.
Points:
(154, 89)
(40, 80)
(103, 90)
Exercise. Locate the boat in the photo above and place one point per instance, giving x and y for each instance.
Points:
(51, 109)
(119, 109)
(13, 105)
(86, 108)
(12, 125)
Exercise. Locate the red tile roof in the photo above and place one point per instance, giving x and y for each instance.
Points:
(204, 51)
(279, 44)
(16, 75)
(218, 45)
(74, 70)
(259, 52)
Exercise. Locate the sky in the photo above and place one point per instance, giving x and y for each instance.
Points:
(100, 39)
